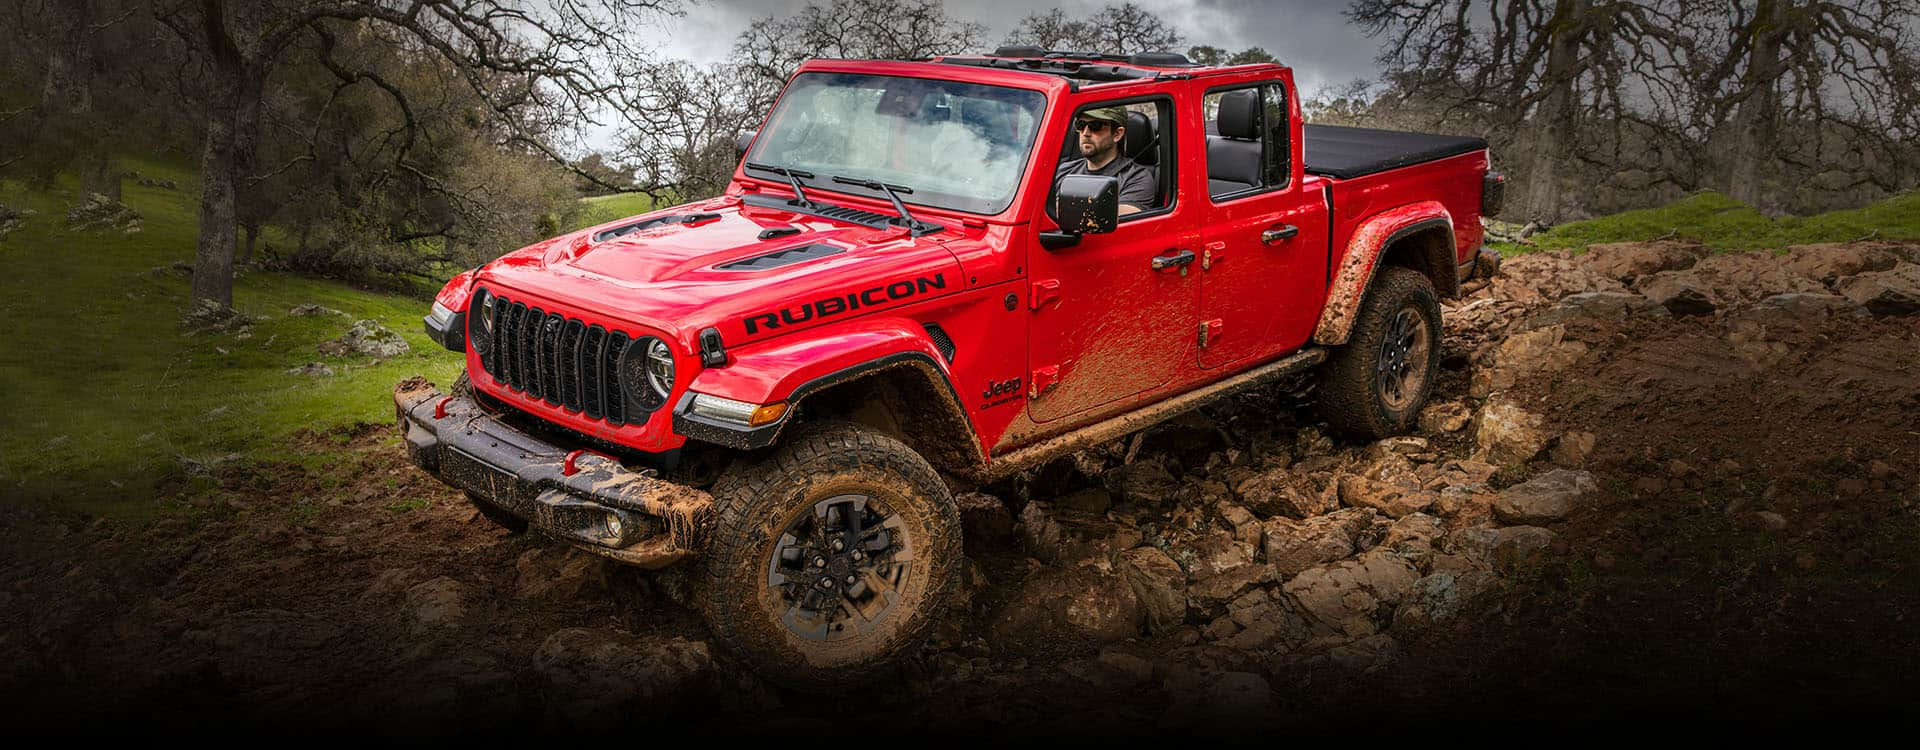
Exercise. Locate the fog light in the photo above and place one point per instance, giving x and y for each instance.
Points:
(441, 316)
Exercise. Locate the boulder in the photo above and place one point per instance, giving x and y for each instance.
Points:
(1573, 449)
(1158, 583)
(1601, 306)
(1219, 553)
(1265, 622)
(1508, 434)
(1680, 292)
(1504, 545)
(1392, 499)
(1294, 546)
(1626, 261)
(1831, 261)
(1542, 350)
(1349, 596)
(559, 572)
(1413, 537)
(597, 674)
(1276, 493)
(1141, 483)
(1207, 595)
(1895, 292)
(1546, 498)
(1739, 278)
(1440, 597)
(1081, 604)
(984, 518)
(1537, 277)
(366, 337)
(1062, 536)
(1445, 417)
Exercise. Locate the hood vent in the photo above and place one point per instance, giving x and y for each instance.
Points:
(780, 258)
(622, 231)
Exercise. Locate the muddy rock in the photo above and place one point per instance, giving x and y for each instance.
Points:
(1350, 595)
(1158, 583)
(1391, 468)
(1081, 604)
(366, 337)
(1394, 500)
(1626, 261)
(1060, 536)
(1546, 498)
(1800, 307)
(559, 572)
(1240, 522)
(1508, 434)
(594, 674)
(1742, 278)
(1216, 554)
(1680, 292)
(1599, 306)
(1142, 483)
(1505, 545)
(1538, 277)
(1463, 505)
(1440, 597)
(1294, 546)
(1445, 417)
(1542, 350)
(1573, 449)
(1265, 622)
(1831, 261)
(437, 604)
(984, 518)
(1277, 493)
(1749, 340)
(1310, 442)
(1895, 292)
(1412, 537)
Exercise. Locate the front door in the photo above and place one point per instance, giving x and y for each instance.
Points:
(1107, 324)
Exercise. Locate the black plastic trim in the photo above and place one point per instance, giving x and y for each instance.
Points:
(695, 427)
(454, 337)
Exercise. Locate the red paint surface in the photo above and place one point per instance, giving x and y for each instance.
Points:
(1110, 332)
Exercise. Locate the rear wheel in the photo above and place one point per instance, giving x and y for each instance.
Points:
(830, 559)
(1375, 384)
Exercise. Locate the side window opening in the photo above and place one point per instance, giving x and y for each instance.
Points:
(1146, 141)
(1247, 148)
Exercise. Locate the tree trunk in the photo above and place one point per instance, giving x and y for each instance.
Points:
(253, 240)
(213, 260)
(1756, 128)
(1554, 119)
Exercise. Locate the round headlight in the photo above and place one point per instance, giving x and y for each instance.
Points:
(647, 372)
(483, 302)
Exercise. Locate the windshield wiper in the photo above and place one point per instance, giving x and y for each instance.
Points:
(892, 191)
(793, 178)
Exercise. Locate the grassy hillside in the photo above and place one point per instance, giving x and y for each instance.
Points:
(605, 208)
(1727, 225)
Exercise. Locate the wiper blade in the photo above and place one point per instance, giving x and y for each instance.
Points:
(892, 191)
(793, 178)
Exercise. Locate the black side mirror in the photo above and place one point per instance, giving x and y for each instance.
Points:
(742, 142)
(1083, 204)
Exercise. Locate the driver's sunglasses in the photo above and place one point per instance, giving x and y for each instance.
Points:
(1097, 126)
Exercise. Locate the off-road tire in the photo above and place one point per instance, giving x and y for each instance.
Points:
(1353, 397)
(759, 501)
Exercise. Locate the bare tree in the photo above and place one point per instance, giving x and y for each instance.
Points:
(773, 47)
(521, 63)
(1119, 28)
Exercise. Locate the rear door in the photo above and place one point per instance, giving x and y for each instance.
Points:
(1106, 324)
(1264, 242)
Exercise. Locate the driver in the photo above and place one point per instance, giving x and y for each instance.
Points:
(1101, 132)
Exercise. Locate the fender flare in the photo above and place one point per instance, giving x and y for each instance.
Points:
(790, 368)
(1362, 260)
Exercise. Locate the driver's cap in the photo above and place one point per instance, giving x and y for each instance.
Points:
(1115, 115)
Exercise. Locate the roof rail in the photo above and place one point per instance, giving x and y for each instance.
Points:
(1153, 59)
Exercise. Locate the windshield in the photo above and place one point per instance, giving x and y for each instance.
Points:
(961, 146)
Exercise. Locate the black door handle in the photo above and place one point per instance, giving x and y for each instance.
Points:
(1164, 262)
(1280, 233)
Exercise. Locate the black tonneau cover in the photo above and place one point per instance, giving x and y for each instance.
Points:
(1346, 153)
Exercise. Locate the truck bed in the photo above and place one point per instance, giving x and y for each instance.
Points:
(1345, 153)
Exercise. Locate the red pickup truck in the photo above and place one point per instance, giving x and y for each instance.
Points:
(903, 294)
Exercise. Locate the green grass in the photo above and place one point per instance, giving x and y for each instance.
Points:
(1726, 225)
(105, 393)
(605, 208)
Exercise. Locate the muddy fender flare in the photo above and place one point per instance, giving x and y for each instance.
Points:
(1361, 261)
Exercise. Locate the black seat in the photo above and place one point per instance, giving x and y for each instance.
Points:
(1143, 147)
(1233, 156)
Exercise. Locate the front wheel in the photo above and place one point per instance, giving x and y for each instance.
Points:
(1375, 384)
(831, 558)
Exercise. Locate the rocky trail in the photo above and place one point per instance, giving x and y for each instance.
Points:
(1649, 478)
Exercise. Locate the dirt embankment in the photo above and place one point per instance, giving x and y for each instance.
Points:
(1648, 477)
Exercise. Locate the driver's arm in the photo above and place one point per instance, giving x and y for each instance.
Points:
(1138, 190)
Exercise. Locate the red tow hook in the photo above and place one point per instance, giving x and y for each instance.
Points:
(440, 408)
(569, 467)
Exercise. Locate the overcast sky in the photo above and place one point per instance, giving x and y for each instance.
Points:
(1311, 37)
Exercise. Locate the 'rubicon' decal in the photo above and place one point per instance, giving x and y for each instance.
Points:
(831, 306)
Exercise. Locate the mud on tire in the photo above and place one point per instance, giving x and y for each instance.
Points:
(803, 611)
(1375, 385)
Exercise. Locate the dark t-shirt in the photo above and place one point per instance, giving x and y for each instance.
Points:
(1138, 187)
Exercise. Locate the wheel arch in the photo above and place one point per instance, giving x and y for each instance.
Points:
(1418, 236)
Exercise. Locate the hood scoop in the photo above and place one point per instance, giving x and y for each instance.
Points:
(784, 257)
(624, 230)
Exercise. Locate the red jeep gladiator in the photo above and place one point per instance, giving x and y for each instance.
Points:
(914, 286)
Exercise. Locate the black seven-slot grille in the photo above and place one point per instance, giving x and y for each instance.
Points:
(554, 358)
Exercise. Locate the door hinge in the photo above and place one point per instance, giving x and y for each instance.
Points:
(1044, 291)
(1214, 251)
(1210, 331)
(1043, 380)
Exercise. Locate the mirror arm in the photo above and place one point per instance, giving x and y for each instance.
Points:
(1059, 240)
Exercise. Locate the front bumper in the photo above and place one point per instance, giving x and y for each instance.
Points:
(587, 499)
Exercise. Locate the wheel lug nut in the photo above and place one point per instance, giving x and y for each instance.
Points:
(839, 544)
(858, 555)
(826, 582)
(851, 579)
(819, 562)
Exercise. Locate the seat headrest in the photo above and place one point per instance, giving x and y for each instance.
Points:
(1139, 135)
(1239, 115)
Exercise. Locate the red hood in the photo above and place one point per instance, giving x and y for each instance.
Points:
(666, 276)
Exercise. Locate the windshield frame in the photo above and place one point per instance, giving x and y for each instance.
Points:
(952, 203)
